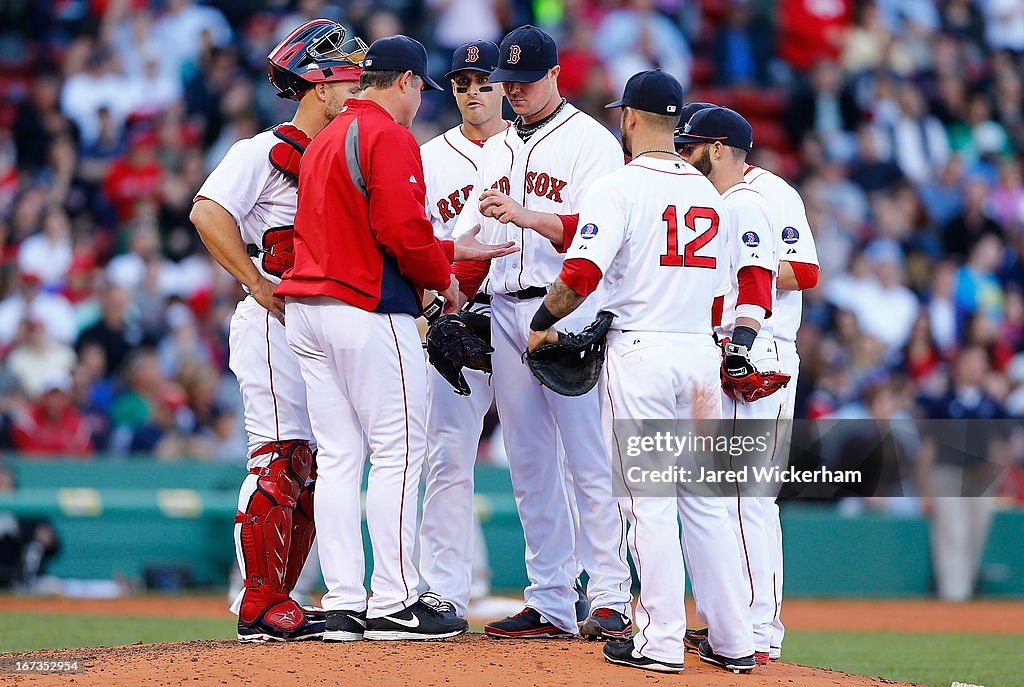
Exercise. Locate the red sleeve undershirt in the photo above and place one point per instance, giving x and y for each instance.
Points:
(806, 274)
(755, 288)
(569, 223)
(471, 274)
(580, 275)
(449, 249)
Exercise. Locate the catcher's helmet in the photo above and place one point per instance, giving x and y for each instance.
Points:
(316, 52)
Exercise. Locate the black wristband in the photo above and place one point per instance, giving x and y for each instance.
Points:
(543, 319)
(744, 336)
(433, 309)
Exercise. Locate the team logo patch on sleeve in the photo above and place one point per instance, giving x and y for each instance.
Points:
(751, 239)
(588, 231)
(790, 235)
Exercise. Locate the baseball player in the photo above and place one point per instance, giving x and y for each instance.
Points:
(650, 233)
(716, 141)
(531, 180)
(244, 213)
(454, 422)
(798, 270)
(351, 323)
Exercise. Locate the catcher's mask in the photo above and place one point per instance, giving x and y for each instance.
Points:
(319, 51)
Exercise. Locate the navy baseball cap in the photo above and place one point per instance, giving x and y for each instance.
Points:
(475, 56)
(718, 124)
(652, 91)
(526, 54)
(401, 54)
(689, 109)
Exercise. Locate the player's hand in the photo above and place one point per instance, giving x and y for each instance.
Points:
(496, 204)
(453, 298)
(540, 338)
(263, 292)
(467, 247)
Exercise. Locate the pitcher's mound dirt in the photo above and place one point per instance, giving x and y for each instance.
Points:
(468, 661)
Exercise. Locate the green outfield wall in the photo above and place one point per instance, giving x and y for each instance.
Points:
(118, 518)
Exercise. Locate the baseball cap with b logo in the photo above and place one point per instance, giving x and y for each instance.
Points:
(652, 91)
(475, 56)
(526, 54)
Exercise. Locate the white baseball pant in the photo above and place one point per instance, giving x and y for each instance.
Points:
(646, 378)
(448, 523)
(365, 377)
(533, 419)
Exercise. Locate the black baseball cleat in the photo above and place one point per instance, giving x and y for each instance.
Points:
(693, 638)
(280, 623)
(526, 624)
(344, 626)
(625, 654)
(442, 606)
(737, 665)
(418, 621)
(605, 623)
(582, 604)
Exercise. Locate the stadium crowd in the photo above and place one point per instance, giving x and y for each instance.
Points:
(901, 122)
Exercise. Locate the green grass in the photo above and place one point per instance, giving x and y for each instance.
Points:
(29, 632)
(928, 659)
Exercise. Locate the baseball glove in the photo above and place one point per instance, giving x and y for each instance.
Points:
(741, 381)
(572, 365)
(457, 341)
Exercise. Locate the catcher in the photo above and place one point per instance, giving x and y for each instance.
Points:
(661, 362)
(244, 213)
(716, 141)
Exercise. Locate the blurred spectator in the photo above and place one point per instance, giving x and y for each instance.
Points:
(117, 333)
(51, 425)
(742, 49)
(811, 31)
(47, 254)
(917, 140)
(26, 544)
(35, 358)
(460, 21)
(869, 170)
(957, 477)
(636, 37)
(972, 224)
(977, 289)
(134, 178)
(1004, 25)
(28, 300)
(97, 87)
(826, 108)
(39, 120)
(186, 30)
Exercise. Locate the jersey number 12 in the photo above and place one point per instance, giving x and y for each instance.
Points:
(672, 258)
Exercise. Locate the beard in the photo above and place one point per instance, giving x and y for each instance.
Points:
(627, 148)
(703, 162)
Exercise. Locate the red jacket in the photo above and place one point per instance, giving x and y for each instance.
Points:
(34, 431)
(361, 232)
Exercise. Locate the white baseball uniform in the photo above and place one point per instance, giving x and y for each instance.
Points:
(454, 422)
(653, 228)
(795, 243)
(751, 242)
(550, 173)
(260, 198)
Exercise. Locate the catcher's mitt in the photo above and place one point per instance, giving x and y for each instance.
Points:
(571, 366)
(744, 383)
(457, 341)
